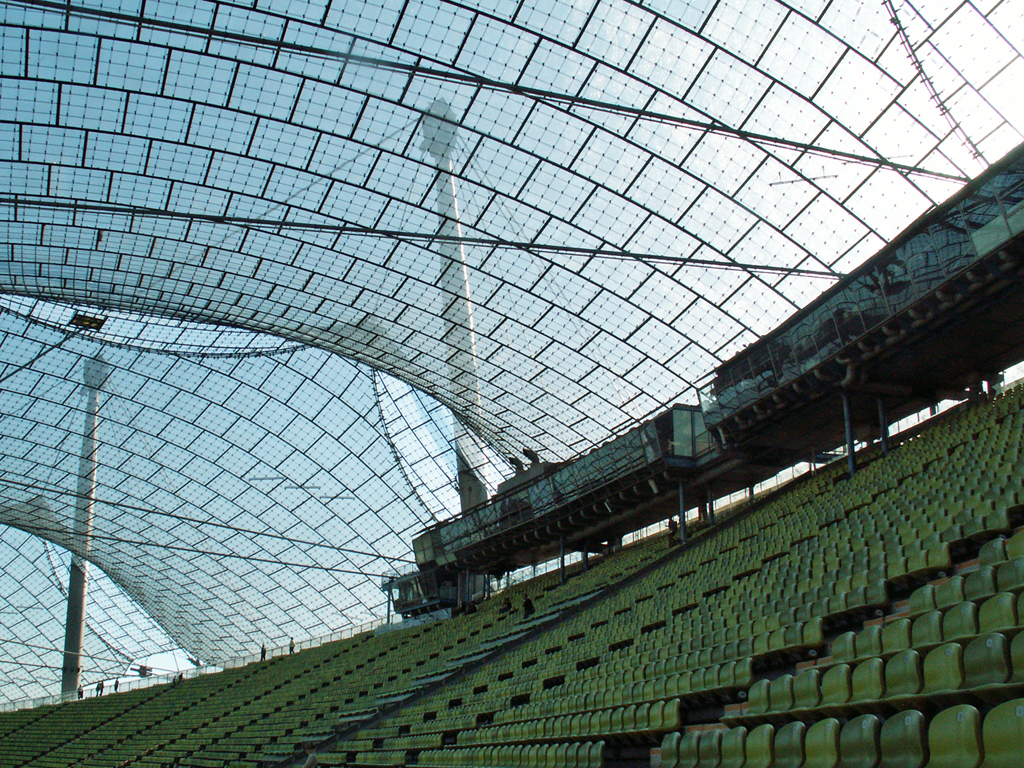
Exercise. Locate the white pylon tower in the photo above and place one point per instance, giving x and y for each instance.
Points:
(96, 372)
(439, 139)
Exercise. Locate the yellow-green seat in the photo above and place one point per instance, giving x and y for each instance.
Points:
(993, 552)
(980, 584)
(922, 600)
(987, 661)
(789, 745)
(836, 685)
(949, 593)
(944, 669)
(1003, 735)
(670, 749)
(896, 636)
(807, 689)
(960, 621)
(904, 675)
(688, 750)
(868, 681)
(821, 745)
(1010, 576)
(954, 738)
(998, 613)
(761, 747)
(927, 629)
(860, 742)
(734, 748)
(780, 694)
(903, 740)
(844, 648)
(758, 700)
(869, 642)
(709, 749)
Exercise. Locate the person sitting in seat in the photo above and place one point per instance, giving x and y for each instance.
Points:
(528, 609)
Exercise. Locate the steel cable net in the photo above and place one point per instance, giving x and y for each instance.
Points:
(628, 193)
(233, 516)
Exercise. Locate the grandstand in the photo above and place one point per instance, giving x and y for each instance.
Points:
(288, 288)
(836, 621)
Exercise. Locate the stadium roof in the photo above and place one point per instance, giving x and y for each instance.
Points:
(236, 206)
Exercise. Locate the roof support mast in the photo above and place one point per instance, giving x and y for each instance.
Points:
(96, 372)
(439, 139)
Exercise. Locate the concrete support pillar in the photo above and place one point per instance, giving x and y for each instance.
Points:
(883, 427)
(439, 134)
(851, 462)
(96, 372)
(682, 513)
(561, 559)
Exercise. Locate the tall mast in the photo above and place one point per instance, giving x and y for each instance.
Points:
(96, 372)
(439, 140)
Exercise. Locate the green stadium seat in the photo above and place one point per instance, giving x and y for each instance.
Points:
(860, 743)
(1010, 576)
(780, 694)
(993, 552)
(944, 669)
(836, 685)
(758, 701)
(734, 748)
(904, 675)
(789, 745)
(1003, 735)
(896, 636)
(761, 747)
(904, 740)
(868, 681)
(1015, 546)
(987, 661)
(949, 592)
(927, 629)
(954, 738)
(980, 584)
(960, 621)
(869, 642)
(807, 689)
(843, 648)
(743, 673)
(709, 749)
(670, 750)
(821, 745)
(998, 613)
(922, 599)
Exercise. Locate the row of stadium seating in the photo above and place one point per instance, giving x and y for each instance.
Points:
(890, 593)
(957, 737)
(710, 615)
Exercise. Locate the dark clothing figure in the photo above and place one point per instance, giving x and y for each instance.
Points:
(99, 688)
(528, 609)
(81, 692)
(506, 605)
(291, 645)
(263, 652)
(116, 683)
(470, 609)
(673, 531)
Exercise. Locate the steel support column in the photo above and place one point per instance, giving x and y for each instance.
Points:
(883, 427)
(851, 463)
(96, 371)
